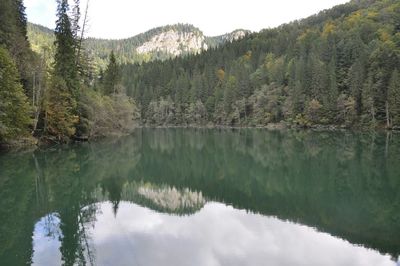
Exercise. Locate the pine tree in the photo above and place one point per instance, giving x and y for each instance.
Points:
(356, 78)
(394, 98)
(60, 107)
(62, 97)
(368, 103)
(21, 19)
(14, 108)
(318, 82)
(65, 57)
(230, 94)
(111, 76)
(380, 96)
(13, 37)
(332, 94)
(298, 93)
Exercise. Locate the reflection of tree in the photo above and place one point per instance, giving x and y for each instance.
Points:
(87, 219)
(67, 197)
(51, 225)
(114, 188)
(17, 198)
(342, 183)
(339, 182)
(70, 238)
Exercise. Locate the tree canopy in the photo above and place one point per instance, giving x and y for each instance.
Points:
(331, 68)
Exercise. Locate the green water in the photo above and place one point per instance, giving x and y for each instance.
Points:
(204, 197)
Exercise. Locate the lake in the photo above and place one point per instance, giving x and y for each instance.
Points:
(205, 197)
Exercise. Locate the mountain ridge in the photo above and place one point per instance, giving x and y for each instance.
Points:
(159, 43)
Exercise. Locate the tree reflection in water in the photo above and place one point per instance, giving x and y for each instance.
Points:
(345, 184)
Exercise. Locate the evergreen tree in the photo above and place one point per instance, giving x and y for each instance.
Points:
(394, 98)
(111, 76)
(63, 95)
(21, 19)
(332, 93)
(14, 38)
(14, 108)
(318, 80)
(356, 78)
(298, 95)
(60, 119)
(65, 57)
(230, 94)
(368, 103)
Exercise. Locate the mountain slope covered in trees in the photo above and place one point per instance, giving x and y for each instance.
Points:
(338, 67)
(158, 43)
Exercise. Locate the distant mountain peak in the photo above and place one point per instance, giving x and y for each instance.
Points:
(174, 43)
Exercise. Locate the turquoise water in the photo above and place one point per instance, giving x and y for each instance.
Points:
(205, 197)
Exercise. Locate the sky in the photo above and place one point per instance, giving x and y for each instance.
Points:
(115, 19)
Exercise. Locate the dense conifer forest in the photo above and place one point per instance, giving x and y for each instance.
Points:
(339, 67)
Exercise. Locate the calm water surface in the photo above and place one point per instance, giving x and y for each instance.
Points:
(205, 197)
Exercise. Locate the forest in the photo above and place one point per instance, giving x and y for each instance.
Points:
(337, 68)
(49, 96)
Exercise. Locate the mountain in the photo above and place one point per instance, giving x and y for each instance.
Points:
(158, 43)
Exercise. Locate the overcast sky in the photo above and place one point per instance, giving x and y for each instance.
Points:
(125, 18)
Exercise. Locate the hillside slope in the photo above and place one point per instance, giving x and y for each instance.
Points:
(339, 67)
(158, 43)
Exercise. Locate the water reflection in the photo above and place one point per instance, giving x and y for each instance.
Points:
(216, 235)
(153, 196)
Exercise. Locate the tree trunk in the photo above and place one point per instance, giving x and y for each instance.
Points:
(387, 115)
(82, 33)
(387, 144)
(373, 114)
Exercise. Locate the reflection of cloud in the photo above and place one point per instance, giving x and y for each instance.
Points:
(216, 235)
(45, 241)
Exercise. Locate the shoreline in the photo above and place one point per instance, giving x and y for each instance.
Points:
(281, 126)
(28, 143)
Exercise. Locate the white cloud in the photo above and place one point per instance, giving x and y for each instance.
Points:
(125, 18)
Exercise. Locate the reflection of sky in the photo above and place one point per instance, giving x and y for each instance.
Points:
(216, 235)
(45, 241)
